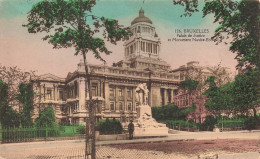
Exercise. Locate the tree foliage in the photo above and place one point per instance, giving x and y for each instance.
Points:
(189, 84)
(220, 98)
(13, 77)
(171, 112)
(190, 6)
(25, 96)
(110, 126)
(8, 117)
(238, 96)
(74, 25)
(46, 118)
(246, 90)
(238, 21)
(70, 23)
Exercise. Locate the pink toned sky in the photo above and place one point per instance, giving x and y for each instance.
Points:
(29, 52)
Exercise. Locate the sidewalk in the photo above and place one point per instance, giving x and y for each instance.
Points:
(175, 136)
(75, 148)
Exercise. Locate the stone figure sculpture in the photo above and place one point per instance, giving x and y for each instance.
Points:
(145, 124)
(142, 94)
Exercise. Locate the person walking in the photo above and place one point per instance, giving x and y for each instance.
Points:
(131, 129)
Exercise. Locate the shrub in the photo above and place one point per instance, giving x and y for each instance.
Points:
(181, 123)
(251, 123)
(81, 129)
(208, 124)
(46, 118)
(110, 127)
(171, 112)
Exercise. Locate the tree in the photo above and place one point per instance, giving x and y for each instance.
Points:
(13, 77)
(245, 91)
(8, 117)
(237, 96)
(239, 21)
(220, 99)
(189, 84)
(74, 25)
(172, 112)
(197, 73)
(25, 96)
(46, 118)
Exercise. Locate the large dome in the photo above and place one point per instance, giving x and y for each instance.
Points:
(141, 18)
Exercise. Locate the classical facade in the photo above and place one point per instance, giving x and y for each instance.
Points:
(185, 98)
(114, 86)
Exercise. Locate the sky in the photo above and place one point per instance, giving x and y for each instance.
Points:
(30, 52)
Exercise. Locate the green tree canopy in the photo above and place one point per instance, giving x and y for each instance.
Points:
(172, 112)
(237, 96)
(70, 23)
(189, 84)
(25, 96)
(246, 90)
(239, 23)
(46, 118)
(8, 117)
(74, 25)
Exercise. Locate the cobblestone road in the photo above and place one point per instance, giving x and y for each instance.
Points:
(77, 152)
(75, 149)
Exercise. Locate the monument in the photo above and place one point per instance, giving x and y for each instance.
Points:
(145, 124)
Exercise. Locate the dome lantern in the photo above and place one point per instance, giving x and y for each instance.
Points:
(141, 18)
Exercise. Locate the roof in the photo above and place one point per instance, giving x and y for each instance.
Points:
(141, 18)
(48, 77)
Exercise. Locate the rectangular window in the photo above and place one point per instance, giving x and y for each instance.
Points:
(112, 91)
(120, 92)
(49, 94)
(112, 106)
(129, 93)
(129, 107)
(76, 88)
(94, 89)
(61, 95)
(121, 106)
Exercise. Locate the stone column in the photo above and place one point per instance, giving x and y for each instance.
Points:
(100, 89)
(106, 95)
(41, 92)
(44, 93)
(165, 97)
(82, 94)
(144, 46)
(156, 98)
(133, 100)
(172, 93)
(152, 48)
(56, 92)
(116, 96)
(139, 47)
(125, 99)
(157, 48)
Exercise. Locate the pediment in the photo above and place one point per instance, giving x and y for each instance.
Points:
(207, 70)
(50, 77)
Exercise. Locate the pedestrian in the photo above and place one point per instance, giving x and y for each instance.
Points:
(131, 129)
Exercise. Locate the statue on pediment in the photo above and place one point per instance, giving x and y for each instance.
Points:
(142, 94)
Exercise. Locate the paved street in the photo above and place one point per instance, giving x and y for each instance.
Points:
(75, 148)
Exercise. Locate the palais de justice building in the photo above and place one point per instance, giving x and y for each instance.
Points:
(116, 84)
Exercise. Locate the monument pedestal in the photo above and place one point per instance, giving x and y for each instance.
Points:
(146, 125)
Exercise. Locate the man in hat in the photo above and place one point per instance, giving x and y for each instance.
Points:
(131, 129)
